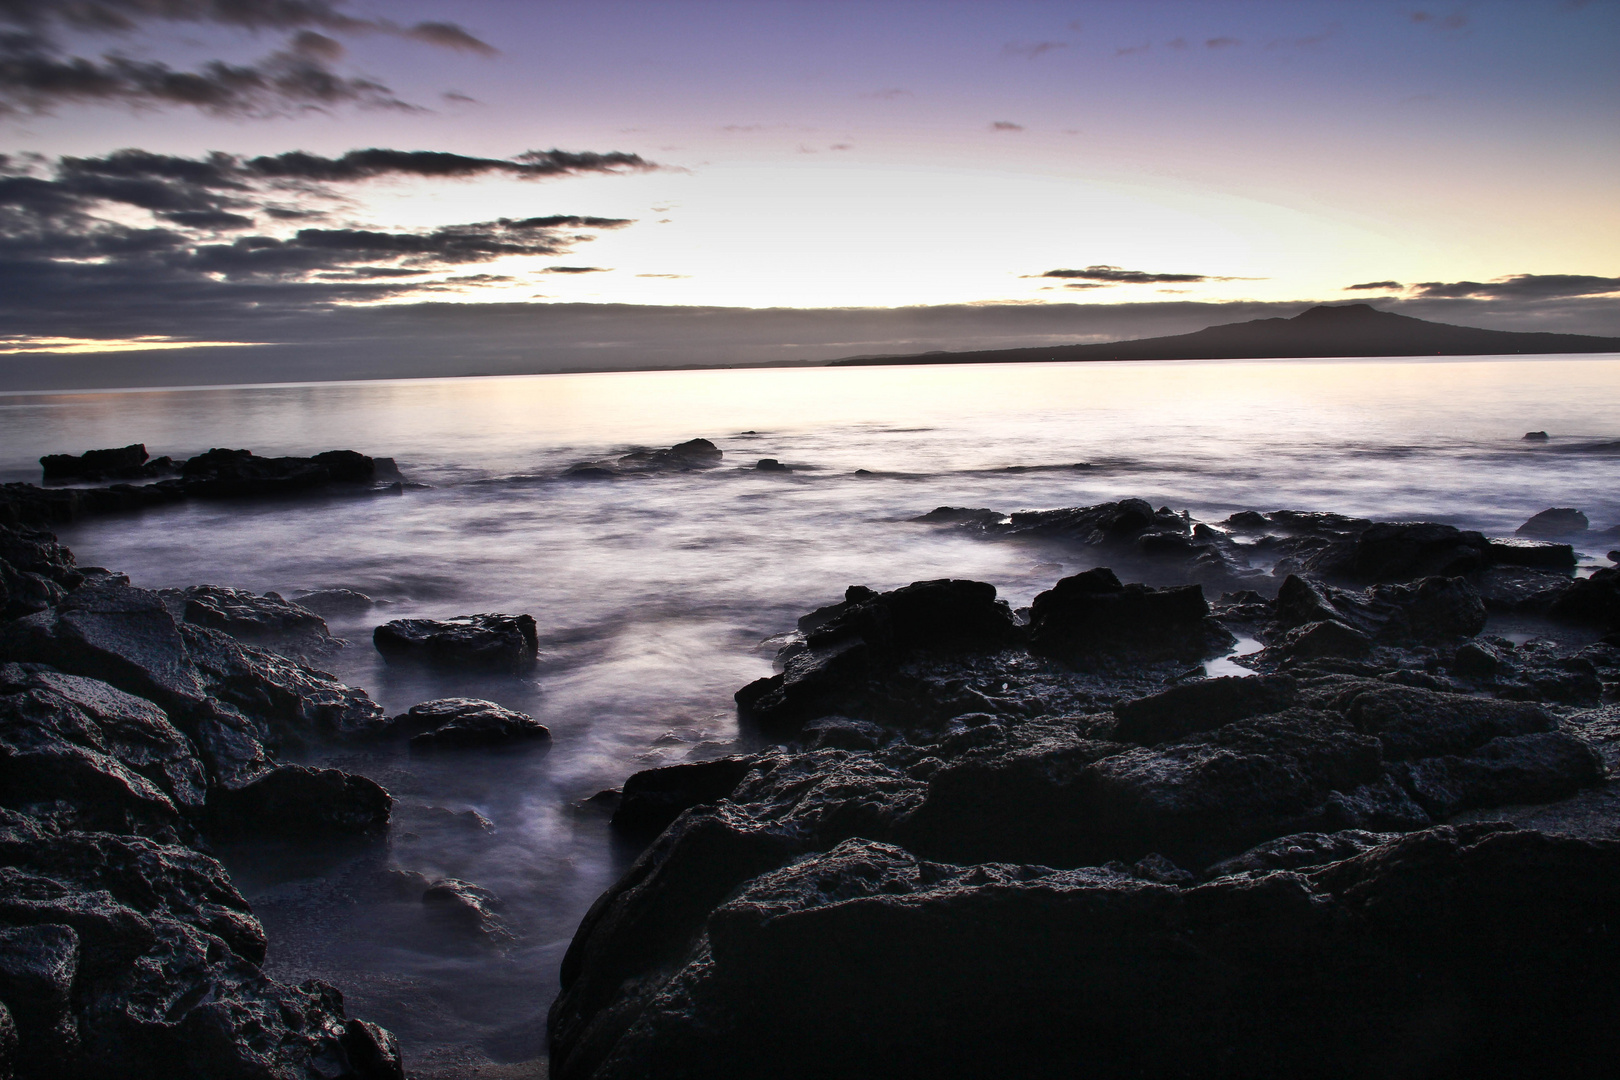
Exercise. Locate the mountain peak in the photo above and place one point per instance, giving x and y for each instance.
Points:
(1340, 314)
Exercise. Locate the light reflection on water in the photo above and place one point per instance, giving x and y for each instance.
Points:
(653, 594)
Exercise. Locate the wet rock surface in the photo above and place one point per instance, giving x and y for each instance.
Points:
(267, 621)
(451, 724)
(133, 734)
(489, 642)
(982, 845)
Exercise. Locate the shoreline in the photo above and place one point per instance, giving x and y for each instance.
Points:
(888, 703)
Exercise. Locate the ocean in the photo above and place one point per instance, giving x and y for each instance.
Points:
(657, 596)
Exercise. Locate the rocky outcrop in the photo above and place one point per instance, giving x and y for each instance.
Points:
(1401, 950)
(489, 642)
(217, 474)
(123, 957)
(128, 741)
(95, 466)
(1186, 875)
(267, 621)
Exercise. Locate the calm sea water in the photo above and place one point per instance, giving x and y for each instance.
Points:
(657, 596)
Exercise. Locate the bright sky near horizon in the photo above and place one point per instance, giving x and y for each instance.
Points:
(805, 155)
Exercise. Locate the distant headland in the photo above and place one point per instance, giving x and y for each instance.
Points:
(1323, 331)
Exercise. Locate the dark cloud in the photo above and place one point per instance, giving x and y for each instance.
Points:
(367, 164)
(573, 270)
(1521, 286)
(1132, 50)
(1221, 43)
(208, 219)
(1376, 285)
(223, 184)
(71, 255)
(38, 73)
(1114, 275)
(1006, 125)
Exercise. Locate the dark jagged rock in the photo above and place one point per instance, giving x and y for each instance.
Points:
(1535, 436)
(770, 464)
(115, 758)
(123, 953)
(490, 642)
(866, 637)
(1412, 723)
(1093, 615)
(1521, 589)
(653, 798)
(115, 633)
(1266, 973)
(1327, 638)
(449, 724)
(841, 733)
(1302, 851)
(1433, 608)
(1201, 706)
(236, 474)
(336, 602)
(1401, 551)
(295, 801)
(267, 621)
(159, 955)
(1552, 524)
(1534, 553)
(1507, 770)
(1594, 600)
(94, 466)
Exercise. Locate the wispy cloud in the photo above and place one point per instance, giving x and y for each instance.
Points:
(1005, 125)
(1031, 49)
(1375, 285)
(1113, 275)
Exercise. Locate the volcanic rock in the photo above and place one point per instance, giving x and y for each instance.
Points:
(467, 724)
(1554, 523)
(489, 642)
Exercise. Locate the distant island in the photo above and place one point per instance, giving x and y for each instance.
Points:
(1322, 331)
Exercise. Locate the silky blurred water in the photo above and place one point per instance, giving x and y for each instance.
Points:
(655, 595)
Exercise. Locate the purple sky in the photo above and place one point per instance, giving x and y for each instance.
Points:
(929, 165)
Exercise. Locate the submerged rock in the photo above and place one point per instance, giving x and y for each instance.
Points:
(489, 642)
(682, 457)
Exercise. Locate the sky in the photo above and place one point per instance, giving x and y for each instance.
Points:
(202, 191)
